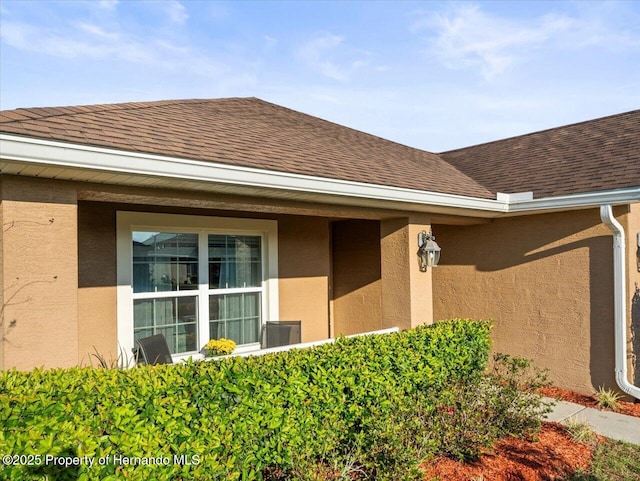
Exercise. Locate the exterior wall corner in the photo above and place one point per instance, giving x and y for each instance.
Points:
(39, 273)
(407, 297)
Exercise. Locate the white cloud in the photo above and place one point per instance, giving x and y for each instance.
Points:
(68, 43)
(325, 55)
(117, 42)
(465, 36)
(93, 42)
(108, 4)
(176, 11)
(468, 37)
(270, 42)
(96, 30)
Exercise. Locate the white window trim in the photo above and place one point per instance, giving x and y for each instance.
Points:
(128, 222)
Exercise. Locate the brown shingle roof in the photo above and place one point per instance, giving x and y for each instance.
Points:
(245, 132)
(591, 156)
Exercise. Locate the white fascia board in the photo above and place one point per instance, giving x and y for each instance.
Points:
(588, 199)
(40, 151)
(64, 154)
(518, 196)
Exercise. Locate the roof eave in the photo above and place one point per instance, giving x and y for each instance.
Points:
(626, 195)
(127, 167)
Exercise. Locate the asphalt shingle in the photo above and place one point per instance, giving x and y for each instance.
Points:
(246, 132)
(592, 156)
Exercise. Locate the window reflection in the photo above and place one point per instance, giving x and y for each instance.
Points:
(235, 316)
(175, 317)
(235, 261)
(164, 261)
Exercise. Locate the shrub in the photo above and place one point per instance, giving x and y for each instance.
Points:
(580, 431)
(236, 418)
(480, 415)
(469, 416)
(608, 398)
(123, 361)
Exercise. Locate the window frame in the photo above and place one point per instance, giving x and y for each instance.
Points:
(128, 222)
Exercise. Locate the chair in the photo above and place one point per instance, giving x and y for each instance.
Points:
(153, 350)
(280, 333)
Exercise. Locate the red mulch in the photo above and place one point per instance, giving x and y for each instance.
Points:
(628, 408)
(552, 457)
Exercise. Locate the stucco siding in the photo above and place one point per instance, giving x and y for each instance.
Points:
(357, 282)
(2, 322)
(304, 269)
(97, 333)
(546, 280)
(40, 271)
(406, 291)
(633, 288)
(58, 259)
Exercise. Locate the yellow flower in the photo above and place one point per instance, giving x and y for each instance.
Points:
(219, 347)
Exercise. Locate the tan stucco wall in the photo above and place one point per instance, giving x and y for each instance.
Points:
(546, 280)
(64, 272)
(304, 269)
(97, 333)
(406, 291)
(40, 271)
(633, 287)
(303, 258)
(2, 323)
(356, 280)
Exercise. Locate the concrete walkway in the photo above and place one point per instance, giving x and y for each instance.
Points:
(609, 424)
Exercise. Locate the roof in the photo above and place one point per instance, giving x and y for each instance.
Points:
(596, 155)
(593, 156)
(246, 132)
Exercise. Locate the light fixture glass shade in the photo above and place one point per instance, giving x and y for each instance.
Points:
(433, 253)
(428, 251)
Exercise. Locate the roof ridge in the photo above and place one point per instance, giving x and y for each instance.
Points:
(343, 127)
(529, 134)
(415, 157)
(111, 107)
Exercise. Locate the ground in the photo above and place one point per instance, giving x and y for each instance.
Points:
(552, 457)
(628, 408)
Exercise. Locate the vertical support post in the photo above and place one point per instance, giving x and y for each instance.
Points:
(407, 293)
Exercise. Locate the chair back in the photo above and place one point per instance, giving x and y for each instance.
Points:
(154, 350)
(280, 333)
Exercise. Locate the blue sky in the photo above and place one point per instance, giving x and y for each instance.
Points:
(433, 75)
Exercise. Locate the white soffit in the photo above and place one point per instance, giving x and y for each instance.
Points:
(52, 159)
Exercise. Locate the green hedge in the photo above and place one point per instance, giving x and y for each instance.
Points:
(237, 416)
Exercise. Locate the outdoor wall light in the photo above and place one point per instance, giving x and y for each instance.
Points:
(428, 250)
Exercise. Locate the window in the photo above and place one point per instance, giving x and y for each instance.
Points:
(235, 287)
(195, 278)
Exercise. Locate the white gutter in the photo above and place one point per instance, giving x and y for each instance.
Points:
(620, 297)
(617, 196)
(29, 150)
(63, 154)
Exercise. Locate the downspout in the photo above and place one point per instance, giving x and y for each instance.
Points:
(620, 304)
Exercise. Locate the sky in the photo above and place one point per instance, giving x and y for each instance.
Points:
(432, 75)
